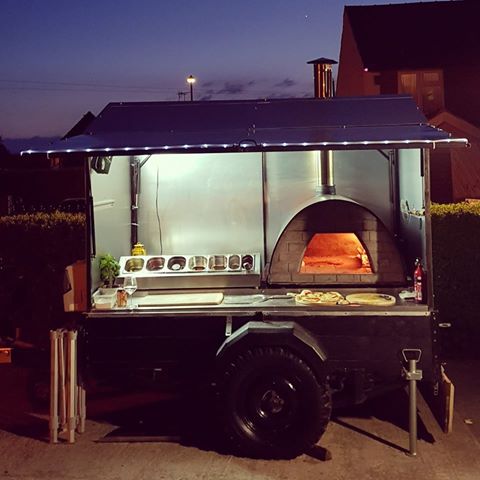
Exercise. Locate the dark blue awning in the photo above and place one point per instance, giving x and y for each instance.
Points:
(290, 124)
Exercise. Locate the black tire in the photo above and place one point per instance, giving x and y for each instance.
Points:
(272, 404)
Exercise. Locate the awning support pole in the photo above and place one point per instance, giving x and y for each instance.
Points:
(412, 356)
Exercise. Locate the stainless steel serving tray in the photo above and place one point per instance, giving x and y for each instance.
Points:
(192, 271)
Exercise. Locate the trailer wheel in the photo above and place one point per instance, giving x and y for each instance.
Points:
(272, 404)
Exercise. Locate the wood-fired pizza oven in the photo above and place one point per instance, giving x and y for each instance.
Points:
(336, 242)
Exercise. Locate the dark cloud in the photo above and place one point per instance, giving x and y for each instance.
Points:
(288, 82)
(213, 89)
(232, 88)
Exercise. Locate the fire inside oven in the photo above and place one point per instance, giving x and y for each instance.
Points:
(331, 253)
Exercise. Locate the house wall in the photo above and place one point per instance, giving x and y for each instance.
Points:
(388, 82)
(465, 162)
(466, 173)
(370, 83)
(350, 78)
(441, 176)
(462, 92)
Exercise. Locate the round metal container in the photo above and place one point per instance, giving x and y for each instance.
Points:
(197, 263)
(134, 264)
(247, 262)
(156, 263)
(217, 262)
(176, 264)
(234, 262)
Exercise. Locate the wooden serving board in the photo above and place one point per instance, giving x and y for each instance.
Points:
(377, 299)
(161, 300)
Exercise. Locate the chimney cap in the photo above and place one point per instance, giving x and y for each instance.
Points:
(322, 60)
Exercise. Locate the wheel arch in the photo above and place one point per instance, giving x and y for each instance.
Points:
(287, 334)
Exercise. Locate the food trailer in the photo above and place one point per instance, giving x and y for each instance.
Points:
(272, 243)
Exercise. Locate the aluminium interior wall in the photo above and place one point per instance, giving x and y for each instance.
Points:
(201, 204)
(364, 176)
(111, 200)
(412, 202)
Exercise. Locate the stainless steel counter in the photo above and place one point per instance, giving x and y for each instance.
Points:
(269, 303)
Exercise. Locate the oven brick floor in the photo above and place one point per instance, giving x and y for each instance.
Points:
(367, 442)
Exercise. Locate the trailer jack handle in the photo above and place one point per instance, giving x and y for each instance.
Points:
(412, 375)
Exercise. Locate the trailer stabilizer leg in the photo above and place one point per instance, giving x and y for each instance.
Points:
(412, 356)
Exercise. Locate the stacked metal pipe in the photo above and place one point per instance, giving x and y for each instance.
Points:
(67, 396)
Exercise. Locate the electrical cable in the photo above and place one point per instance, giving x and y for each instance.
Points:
(47, 85)
(157, 211)
(37, 85)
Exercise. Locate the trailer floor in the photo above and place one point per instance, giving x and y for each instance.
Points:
(367, 442)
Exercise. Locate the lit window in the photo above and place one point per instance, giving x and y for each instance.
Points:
(426, 87)
(431, 77)
(408, 83)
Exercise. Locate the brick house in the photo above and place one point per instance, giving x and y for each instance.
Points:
(431, 52)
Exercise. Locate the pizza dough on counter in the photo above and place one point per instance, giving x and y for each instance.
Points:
(377, 299)
(308, 297)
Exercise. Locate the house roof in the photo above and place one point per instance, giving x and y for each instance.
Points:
(417, 35)
(81, 125)
(301, 124)
(453, 123)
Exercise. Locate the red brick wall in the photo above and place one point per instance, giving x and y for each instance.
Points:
(336, 216)
(350, 79)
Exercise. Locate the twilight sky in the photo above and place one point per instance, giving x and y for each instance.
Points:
(62, 58)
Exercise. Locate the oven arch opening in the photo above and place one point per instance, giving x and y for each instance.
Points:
(336, 253)
(337, 216)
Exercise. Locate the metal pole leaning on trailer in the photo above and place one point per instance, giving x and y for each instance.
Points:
(61, 380)
(53, 386)
(71, 385)
(82, 410)
(67, 398)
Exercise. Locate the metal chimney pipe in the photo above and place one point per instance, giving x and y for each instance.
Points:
(322, 77)
(323, 83)
(326, 184)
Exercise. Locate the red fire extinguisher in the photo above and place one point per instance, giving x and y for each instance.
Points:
(419, 282)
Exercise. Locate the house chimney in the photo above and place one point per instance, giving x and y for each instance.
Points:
(322, 77)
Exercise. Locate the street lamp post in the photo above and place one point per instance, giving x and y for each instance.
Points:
(191, 80)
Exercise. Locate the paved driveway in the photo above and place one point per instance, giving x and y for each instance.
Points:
(368, 442)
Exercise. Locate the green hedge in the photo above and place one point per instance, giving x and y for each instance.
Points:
(456, 269)
(45, 241)
(35, 248)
